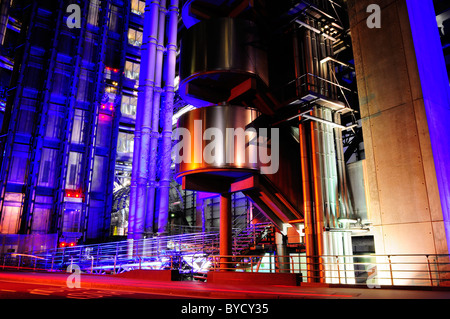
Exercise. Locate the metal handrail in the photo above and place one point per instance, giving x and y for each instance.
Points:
(171, 251)
(332, 268)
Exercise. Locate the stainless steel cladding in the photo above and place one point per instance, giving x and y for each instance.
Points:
(218, 54)
(216, 138)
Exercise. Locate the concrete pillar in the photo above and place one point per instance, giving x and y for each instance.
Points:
(404, 100)
(225, 232)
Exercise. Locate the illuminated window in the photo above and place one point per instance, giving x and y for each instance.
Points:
(128, 105)
(134, 37)
(111, 89)
(94, 6)
(132, 70)
(138, 7)
(125, 143)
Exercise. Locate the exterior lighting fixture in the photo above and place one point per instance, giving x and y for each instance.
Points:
(347, 220)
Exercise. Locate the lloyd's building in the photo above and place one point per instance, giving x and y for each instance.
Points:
(302, 136)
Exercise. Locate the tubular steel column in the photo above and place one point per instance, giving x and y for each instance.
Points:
(166, 138)
(312, 240)
(143, 124)
(154, 136)
(225, 232)
(318, 209)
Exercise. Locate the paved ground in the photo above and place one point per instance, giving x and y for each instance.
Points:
(25, 290)
(113, 297)
(54, 285)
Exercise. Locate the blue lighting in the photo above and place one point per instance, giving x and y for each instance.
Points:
(436, 94)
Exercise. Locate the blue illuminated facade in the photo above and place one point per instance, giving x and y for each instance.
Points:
(64, 113)
(435, 94)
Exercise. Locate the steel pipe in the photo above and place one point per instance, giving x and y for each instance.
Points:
(151, 190)
(226, 245)
(318, 211)
(143, 121)
(166, 135)
(345, 210)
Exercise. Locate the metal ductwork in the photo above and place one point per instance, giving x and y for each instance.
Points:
(232, 70)
(217, 56)
(231, 154)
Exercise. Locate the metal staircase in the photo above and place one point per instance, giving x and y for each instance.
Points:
(248, 238)
(188, 253)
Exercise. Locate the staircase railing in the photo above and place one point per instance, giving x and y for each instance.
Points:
(149, 253)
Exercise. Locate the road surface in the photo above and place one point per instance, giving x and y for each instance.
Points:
(26, 290)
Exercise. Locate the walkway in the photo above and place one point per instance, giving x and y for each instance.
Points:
(223, 291)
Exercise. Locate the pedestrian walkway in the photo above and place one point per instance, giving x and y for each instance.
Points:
(225, 291)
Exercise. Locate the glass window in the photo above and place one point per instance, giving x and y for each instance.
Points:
(80, 126)
(94, 6)
(10, 220)
(71, 220)
(99, 174)
(90, 47)
(128, 105)
(86, 86)
(47, 169)
(41, 218)
(115, 22)
(135, 37)
(73, 177)
(138, 7)
(104, 130)
(125, 143)
(132, 70)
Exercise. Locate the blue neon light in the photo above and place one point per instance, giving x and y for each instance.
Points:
(436, 94)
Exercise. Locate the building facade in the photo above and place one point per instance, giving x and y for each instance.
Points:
(88, 119)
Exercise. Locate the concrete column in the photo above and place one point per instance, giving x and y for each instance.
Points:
(404, 100)
(225, 231)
